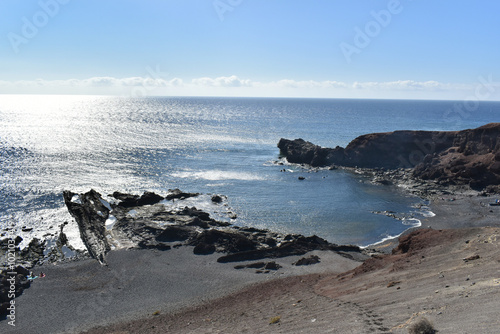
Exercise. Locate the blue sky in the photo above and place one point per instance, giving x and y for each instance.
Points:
(323, 48)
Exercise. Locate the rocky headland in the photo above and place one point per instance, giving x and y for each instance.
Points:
(446, 158)
(144, 222)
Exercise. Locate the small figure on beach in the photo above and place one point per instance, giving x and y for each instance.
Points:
(41, 275)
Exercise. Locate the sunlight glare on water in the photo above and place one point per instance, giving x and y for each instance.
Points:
(211, 145)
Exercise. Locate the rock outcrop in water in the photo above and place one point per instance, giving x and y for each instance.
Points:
(470, 157)
(152, 225)
(90, 213)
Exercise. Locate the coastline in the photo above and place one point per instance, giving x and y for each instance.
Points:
(167, 287)
(160, 289)
(457, 211)
(438, 277)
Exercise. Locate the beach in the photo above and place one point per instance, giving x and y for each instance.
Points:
(135, 284)
(148, 291)
(432, 281)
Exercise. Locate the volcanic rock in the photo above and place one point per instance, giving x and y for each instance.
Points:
(305, 261)
(129, 201)
(154, 226)
(178, 194)
(470, 157)
(90, 213)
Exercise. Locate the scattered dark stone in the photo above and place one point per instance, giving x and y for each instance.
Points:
(301, 178)
(217, 199)
(270, 242)
(229, 242)
(256, 265)
(299, 246)
(149, 198)
(272, 266)
(177, 194)
(262, 271)
(21, 270)
(129, 201)
(34, 252)
(200, 223)
(204, 249)
(265, 266)
(305, 261)
(63, 239)
(471, 258)
(174, 233)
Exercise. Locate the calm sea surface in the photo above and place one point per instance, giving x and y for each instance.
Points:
(211, 145)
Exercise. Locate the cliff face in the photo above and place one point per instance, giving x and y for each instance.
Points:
(473, 158)
(454, 157)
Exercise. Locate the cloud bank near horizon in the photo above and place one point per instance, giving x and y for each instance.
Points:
(484, 89)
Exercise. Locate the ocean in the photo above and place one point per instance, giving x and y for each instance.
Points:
(209, 145)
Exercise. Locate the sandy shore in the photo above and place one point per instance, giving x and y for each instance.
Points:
(174, 291)
(384, 296)
(454, 211)
(137, 283)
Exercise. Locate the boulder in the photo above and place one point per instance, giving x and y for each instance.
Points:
(203, 248)
(216, 199)
(227, 242)
(174, 233)
(129, 201)
(305, 261)
(178, 194)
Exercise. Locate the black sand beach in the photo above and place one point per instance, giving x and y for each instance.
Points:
(135, 284)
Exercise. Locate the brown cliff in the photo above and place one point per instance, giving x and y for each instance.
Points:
(451, 157)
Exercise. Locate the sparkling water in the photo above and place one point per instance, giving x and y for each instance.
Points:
(210, 145)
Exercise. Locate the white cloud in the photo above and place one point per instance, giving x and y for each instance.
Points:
(287, 83)
(232, 81)
(96, 82)
(235, 86)
(409, 85)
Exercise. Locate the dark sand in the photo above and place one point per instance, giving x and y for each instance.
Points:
(80, 295)
(194, 294)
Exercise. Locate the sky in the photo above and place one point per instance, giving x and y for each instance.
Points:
(407, 49)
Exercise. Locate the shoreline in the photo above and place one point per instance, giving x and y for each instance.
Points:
(101, 292)
(136, 284)
(437, 278)
(167, 282)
